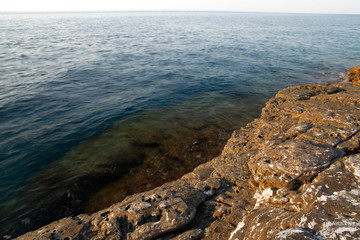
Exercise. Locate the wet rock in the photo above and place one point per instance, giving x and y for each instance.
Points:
(294, 173)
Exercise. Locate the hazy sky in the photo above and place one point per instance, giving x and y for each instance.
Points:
(307, 6)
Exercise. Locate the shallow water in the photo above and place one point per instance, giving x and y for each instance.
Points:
(93, 106)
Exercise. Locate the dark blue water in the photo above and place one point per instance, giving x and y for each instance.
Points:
(65, 78)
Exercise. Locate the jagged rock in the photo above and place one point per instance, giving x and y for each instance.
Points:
(294, 173)
(328, 207)
(354, 75)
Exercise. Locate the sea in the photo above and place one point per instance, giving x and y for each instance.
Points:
(97, 106)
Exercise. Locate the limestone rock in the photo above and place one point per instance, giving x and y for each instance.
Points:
(294, 173)
(354, 75)
(291, 163)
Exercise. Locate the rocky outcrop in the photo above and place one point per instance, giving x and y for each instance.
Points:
(294, 173)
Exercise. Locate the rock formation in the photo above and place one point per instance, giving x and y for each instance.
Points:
(294, 173)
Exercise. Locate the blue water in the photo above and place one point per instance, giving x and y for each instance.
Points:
(66, 77)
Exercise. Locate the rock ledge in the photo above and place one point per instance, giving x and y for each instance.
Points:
(294, 173)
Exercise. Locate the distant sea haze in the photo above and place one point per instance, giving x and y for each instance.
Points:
(95, 106)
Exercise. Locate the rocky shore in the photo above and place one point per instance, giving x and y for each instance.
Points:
(293, 173)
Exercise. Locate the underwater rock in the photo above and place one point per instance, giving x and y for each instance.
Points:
(294, 173)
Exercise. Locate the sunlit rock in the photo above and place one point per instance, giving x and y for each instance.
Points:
(294, 173)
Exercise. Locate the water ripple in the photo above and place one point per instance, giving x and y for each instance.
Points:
(66, 79)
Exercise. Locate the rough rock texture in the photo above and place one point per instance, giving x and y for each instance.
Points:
(294, 173)
(354, 75)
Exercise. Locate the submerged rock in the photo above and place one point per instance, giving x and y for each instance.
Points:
(294, 173)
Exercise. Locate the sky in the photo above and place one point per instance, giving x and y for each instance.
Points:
(291, 6)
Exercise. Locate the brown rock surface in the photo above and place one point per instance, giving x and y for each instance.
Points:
(354, 75)
(294, 173)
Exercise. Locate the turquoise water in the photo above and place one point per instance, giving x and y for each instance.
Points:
(86, 98)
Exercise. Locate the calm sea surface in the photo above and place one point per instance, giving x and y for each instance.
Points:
(99, 102)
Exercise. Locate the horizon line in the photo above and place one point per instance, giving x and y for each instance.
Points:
(158, 11)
